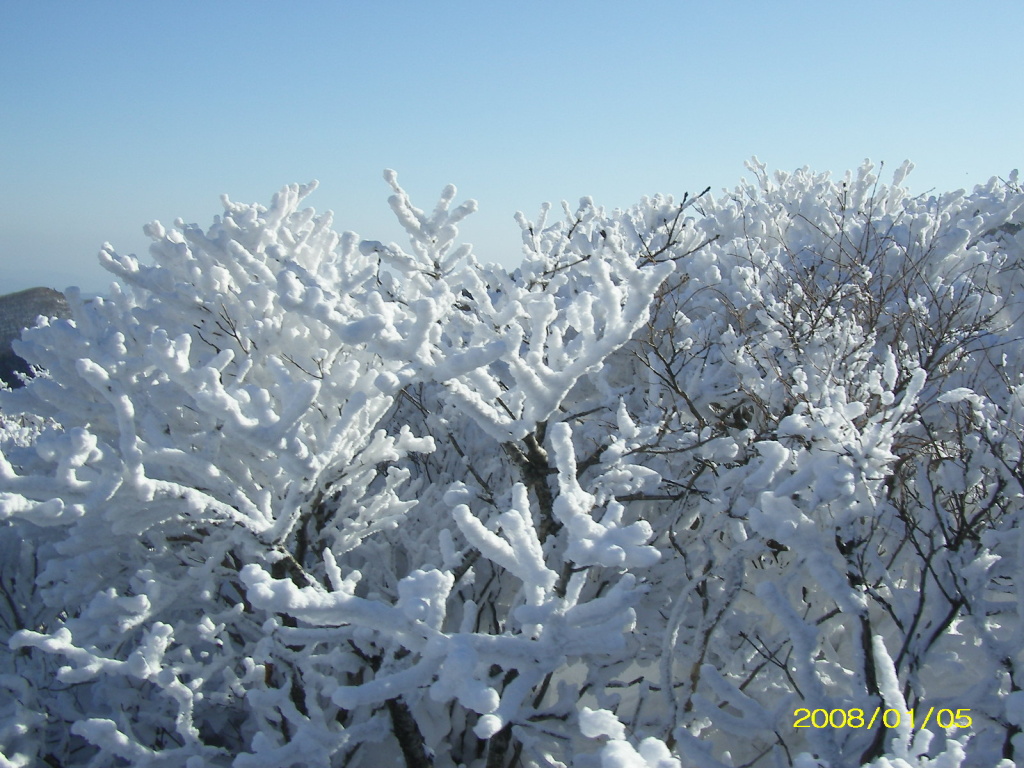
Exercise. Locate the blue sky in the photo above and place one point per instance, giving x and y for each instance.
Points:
(116, 113)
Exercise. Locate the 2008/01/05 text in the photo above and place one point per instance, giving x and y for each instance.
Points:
(890, 718)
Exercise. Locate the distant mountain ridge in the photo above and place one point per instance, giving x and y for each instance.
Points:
(18, 311)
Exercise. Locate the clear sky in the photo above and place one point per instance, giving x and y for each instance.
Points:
(116, 113)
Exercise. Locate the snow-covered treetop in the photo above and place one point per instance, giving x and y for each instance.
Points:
(288, 497)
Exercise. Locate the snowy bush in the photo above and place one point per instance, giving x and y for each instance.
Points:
(289, 498)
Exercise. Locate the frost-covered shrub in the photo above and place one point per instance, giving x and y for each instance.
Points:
(296, 499)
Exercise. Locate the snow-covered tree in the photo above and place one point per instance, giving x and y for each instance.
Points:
(289, 498)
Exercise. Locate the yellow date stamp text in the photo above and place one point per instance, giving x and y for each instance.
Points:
(888, 718)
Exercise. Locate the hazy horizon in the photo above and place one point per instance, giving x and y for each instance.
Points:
(117, 114)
